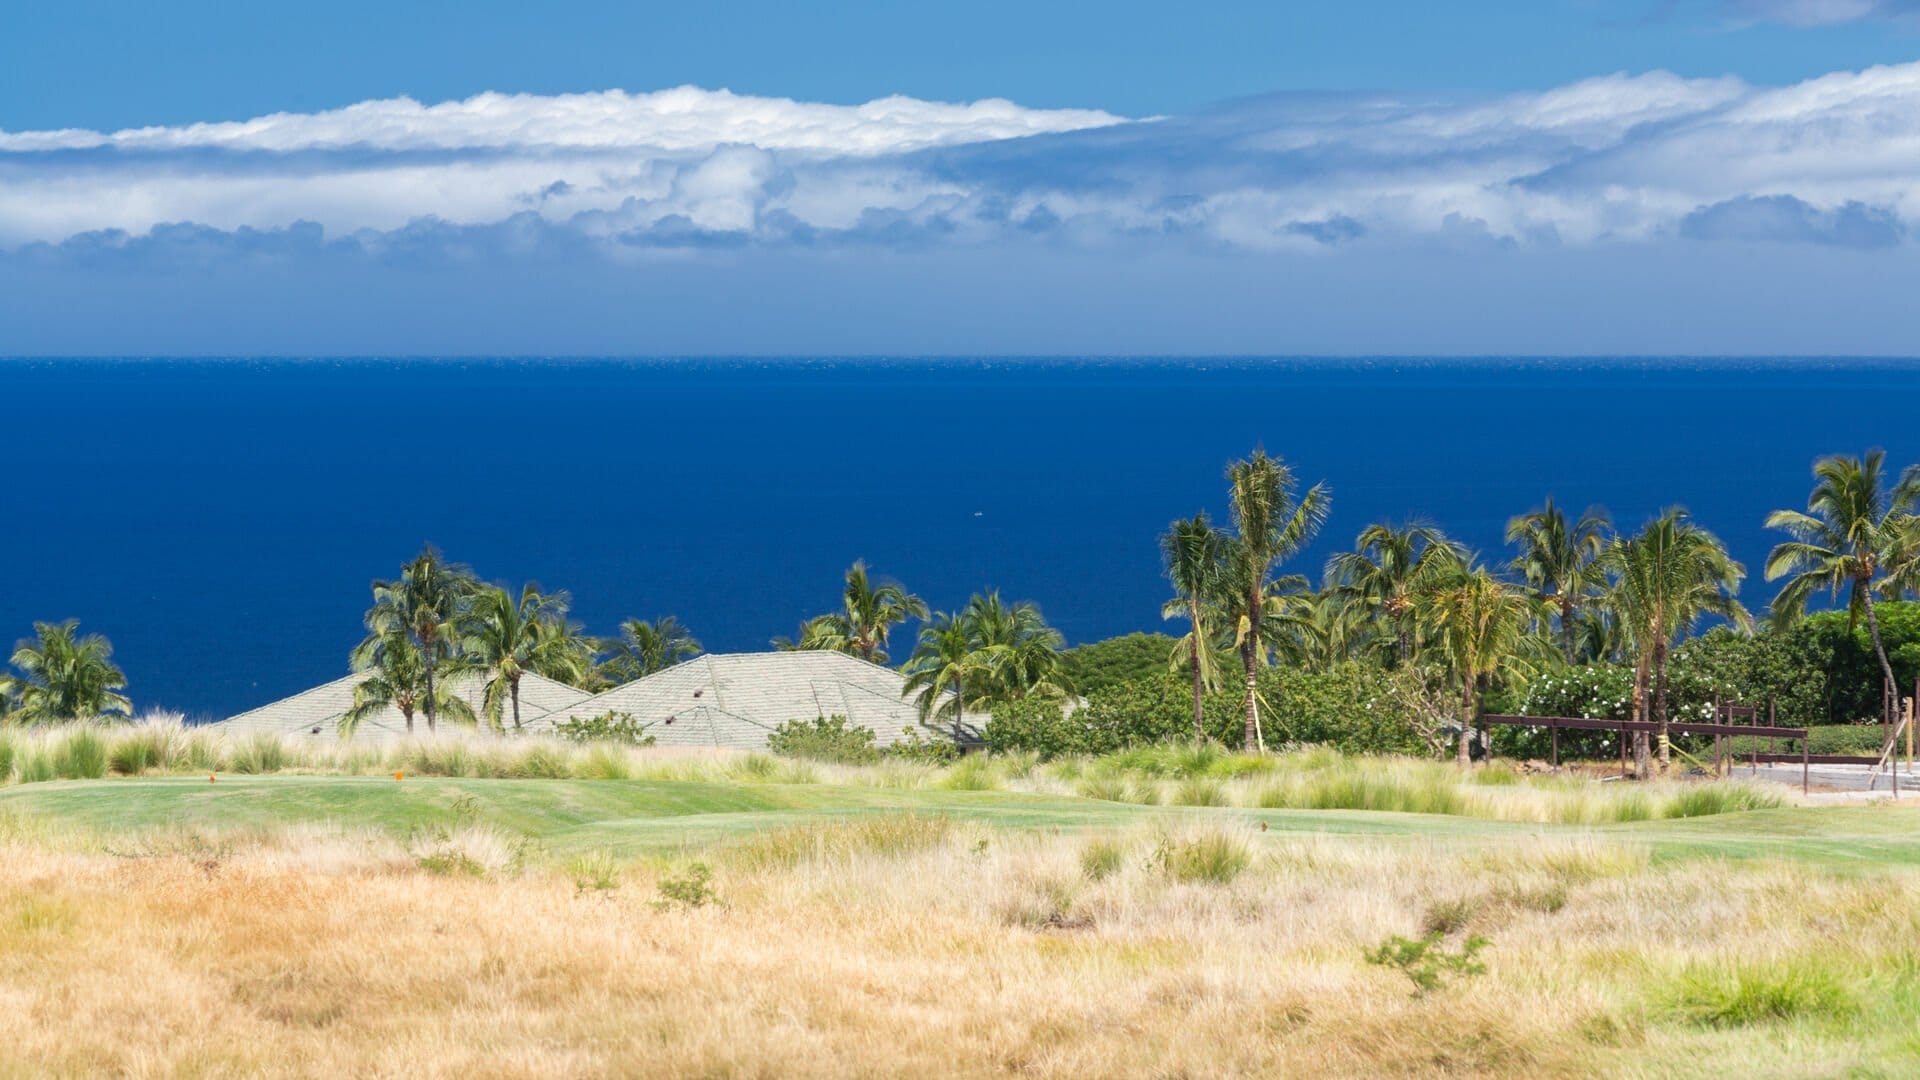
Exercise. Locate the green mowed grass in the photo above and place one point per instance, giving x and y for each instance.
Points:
(652, 817)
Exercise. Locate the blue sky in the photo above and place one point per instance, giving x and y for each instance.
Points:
(1559, 176)
(104, 64)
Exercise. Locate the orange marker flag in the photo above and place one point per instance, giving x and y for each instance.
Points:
(399, 776)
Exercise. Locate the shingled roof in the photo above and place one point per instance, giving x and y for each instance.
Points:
(736, 700)
(316, 713)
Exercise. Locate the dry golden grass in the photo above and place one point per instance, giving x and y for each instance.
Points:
(904, 946)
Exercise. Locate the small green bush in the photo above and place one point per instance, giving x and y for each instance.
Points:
(1427, 963)
(689, 890)
(824, 738)
(925, 747)
(609, 726)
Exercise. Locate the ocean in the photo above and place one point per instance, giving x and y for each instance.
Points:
(221, 520)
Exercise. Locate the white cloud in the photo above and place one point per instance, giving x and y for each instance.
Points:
(1623, 157)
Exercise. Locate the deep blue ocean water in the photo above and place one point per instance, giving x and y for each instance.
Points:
(221, 520)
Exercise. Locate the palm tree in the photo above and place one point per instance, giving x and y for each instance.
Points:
(1853, 532)
(645, 648)
(1270, 525)
(506, 638)
(811, 635)
(867, 617)
(946, 658)
(1560, 561)
(396, 678)
(1482, 623)
(1665, 579)
(426, 602)
(64, 676)
(1025, 651)
(1388, 570)
(1194, 552)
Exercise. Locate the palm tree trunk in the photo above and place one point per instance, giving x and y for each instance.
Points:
(1250, 733)
(1642, 762)
(1880, 650)
(408, 713)
(426, 657)
(1466, 722)
(513, 692)
(1660, 702)
(1199, 688)
(959, 706)
(1566, 630)
(1250, 736)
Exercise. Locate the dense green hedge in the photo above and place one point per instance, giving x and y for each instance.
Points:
(1104, 665)
(1351, 707)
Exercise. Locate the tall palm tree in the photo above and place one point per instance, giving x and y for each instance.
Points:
(1482, 623)
(645, 648)
(1271, 523)
(867, 616)
(948, 657)
(1856, 535)
(1560, 560)
(505, 638)
(1666, 578)
(66, 676)
(1024, 650)
(1195, 556)
(426, 601)
(396, 678)
(1387, 572)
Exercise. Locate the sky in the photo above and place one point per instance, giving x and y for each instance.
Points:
(1547, 177)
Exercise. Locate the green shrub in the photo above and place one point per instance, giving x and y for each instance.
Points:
(1427, 963)
(824, 738)
(7, 755)
(1101, 665)
(925, 747)
(609, 726)
(689, 890)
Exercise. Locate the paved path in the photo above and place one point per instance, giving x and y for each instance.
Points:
(1832, 777)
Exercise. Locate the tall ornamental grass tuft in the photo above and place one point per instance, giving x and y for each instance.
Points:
(80, 754)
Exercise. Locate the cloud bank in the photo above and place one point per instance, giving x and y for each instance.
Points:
(1623, 158)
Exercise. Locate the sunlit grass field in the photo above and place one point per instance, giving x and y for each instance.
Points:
(755, 916)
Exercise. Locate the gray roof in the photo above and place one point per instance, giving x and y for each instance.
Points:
(322, 707)
(736, 700)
